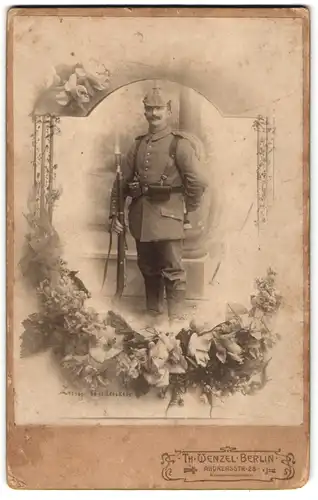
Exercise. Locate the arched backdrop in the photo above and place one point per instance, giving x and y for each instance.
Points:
(67, 107)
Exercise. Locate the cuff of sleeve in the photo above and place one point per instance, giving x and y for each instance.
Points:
(191, 205)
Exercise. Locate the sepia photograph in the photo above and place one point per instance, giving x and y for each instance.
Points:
(159, 222)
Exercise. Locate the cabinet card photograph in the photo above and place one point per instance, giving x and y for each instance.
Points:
(158, 236)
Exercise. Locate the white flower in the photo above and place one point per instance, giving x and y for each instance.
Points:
(165, 357)
(108, 333)
(199, 346)
(97, 74)
(100, 355)
(73, 89)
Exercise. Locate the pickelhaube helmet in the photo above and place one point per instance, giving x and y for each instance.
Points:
(156, 97)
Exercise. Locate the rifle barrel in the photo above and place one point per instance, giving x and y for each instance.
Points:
(121, 237)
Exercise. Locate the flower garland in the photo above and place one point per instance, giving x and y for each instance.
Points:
(71, 89)
(93, 351)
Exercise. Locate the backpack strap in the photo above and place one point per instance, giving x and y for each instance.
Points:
(173, 146)
(137, 146)
(195, 142)
(173, 152)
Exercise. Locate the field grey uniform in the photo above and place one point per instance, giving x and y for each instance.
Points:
(163, 158)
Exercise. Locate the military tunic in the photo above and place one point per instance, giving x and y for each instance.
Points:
(152, 220)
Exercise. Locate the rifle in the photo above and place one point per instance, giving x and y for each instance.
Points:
(121, 238)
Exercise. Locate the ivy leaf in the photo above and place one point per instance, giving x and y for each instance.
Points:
(256, 334)
(184, 336)
(140, 386)
(221, 353)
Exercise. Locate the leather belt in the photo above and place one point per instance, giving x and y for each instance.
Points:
(173, 189)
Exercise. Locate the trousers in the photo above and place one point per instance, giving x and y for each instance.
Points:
(160, 263)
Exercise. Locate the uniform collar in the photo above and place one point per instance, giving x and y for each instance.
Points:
(159, 135)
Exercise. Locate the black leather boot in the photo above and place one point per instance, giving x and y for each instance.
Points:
(154, 294)
(176, 303)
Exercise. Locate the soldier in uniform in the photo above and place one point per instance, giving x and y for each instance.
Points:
(162, 176)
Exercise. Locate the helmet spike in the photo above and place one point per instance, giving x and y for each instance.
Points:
(155, 97)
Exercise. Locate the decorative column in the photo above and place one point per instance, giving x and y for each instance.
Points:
(51, 170)
(265, 174)
(44, 168)
(37, 145)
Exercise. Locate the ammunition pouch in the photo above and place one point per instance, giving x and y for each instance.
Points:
(158, 192)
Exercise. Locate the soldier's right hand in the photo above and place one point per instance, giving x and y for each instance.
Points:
(116, 226)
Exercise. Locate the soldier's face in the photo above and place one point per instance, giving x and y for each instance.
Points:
(157, 116)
